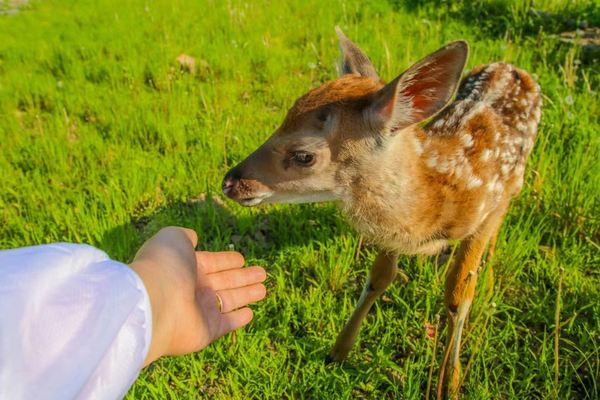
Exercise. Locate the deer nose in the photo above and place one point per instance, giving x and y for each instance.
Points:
(231, 182)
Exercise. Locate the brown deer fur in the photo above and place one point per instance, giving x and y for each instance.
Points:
(408, 188)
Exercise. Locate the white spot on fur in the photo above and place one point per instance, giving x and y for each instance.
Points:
(418, 146)
(485, 155)
(454, 118)
(499, 86)
(438, 124)
(458, 171)
(519, 170)
(466, 140)
(432, 160)
(499, 187)
(494, 185)
(474, 182)
(517, 140)
(459, 156)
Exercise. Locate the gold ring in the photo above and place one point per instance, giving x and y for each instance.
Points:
(219, 302)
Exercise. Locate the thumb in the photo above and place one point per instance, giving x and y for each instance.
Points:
(191, 235)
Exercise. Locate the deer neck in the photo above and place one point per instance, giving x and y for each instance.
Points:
(385, 192)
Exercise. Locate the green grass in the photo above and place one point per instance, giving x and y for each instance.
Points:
(103, 140)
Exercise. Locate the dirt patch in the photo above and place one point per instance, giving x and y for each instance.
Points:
(9, 7)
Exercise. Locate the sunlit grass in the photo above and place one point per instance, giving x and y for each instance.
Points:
(104, 140)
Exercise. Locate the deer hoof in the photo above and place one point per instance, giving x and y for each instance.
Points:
(333, 358)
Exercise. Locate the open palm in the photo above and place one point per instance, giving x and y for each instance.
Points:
(185, 286)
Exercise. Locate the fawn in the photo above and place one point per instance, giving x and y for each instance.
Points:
(408, 188)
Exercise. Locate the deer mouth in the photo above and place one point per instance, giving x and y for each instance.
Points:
(247, 201)
(254, 200)
(250, 201)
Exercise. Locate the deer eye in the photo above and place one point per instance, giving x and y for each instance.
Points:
(322, 115)
(303, 158)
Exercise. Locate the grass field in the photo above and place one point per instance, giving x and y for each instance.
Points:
(104, 140)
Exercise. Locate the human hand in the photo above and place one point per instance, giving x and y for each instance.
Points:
(184, 286)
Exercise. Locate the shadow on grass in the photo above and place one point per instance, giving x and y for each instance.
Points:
(502, 18)
(261, 233)
(564, 29)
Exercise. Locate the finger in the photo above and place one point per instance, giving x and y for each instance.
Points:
(219, 261)
(235, 278)
(240, 297)
(234, 320)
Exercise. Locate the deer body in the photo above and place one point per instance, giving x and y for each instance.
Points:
(407, 188)
(439, 183)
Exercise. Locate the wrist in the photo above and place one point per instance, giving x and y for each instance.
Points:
(149, 274)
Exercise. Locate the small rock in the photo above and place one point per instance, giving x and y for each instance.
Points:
(187, 63)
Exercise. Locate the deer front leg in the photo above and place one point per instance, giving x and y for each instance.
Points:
(382, 273)
(458, 297)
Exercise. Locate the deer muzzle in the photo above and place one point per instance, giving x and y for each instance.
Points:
(244, 190)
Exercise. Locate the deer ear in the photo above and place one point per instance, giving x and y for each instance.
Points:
(354, 61)
(421, 91)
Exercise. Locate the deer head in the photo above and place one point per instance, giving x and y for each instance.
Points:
(344, 123)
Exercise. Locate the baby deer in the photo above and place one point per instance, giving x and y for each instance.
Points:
(408, 188)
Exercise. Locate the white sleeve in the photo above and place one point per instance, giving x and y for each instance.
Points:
(73, 324)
